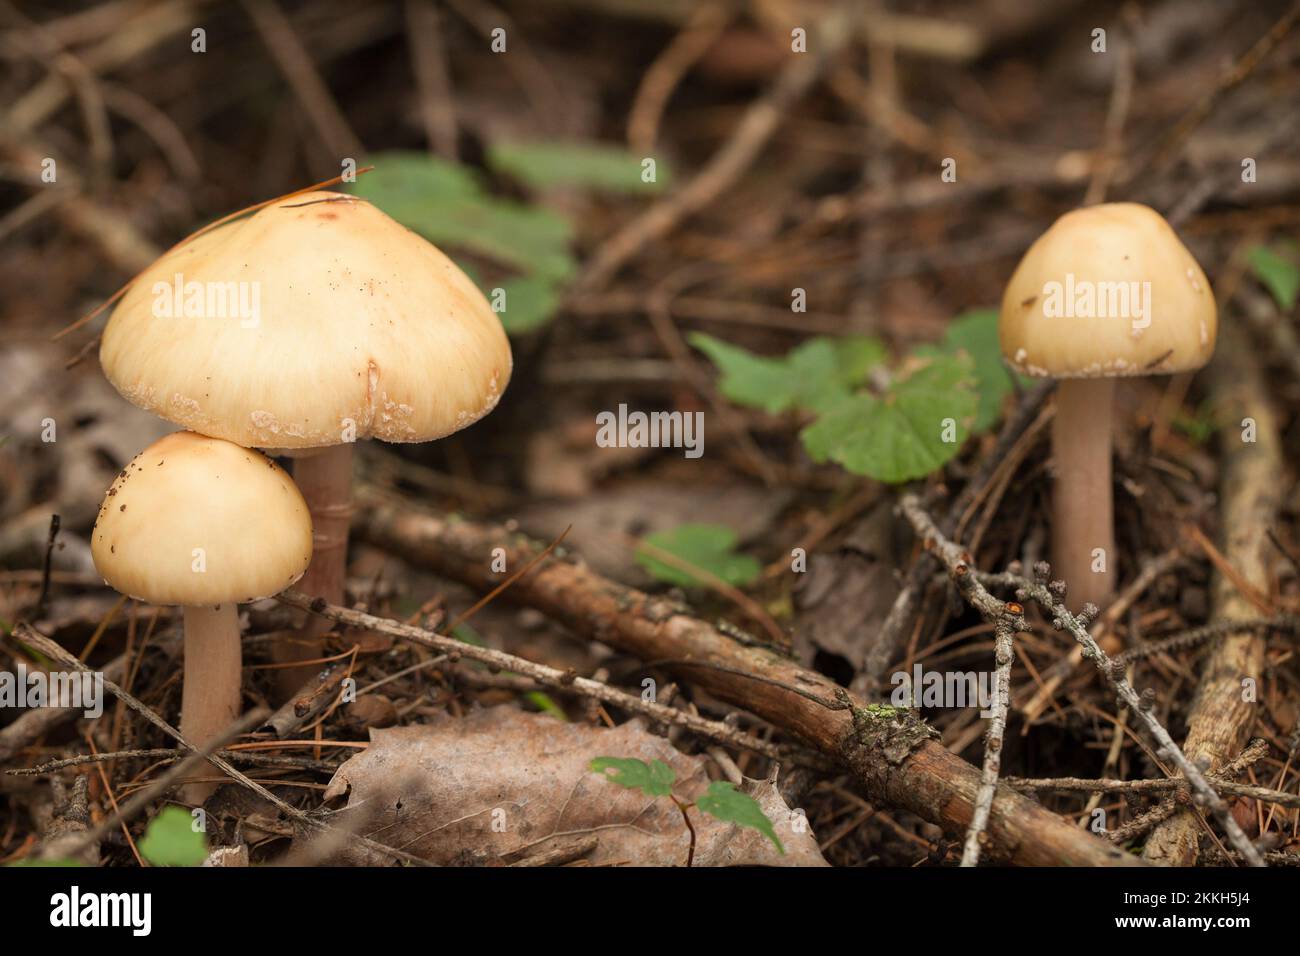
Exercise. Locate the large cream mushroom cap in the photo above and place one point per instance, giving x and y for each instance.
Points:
(362, 330)
(187, 492)
(1108, 251)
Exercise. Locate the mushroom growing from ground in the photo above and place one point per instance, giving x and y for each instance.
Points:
(203, 523)
(353, 327)
(1107, 292)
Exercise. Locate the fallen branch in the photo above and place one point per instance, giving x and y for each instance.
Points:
(546, 676)
(889, 752)
(1251, 485)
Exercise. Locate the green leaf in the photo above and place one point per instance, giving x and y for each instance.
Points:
(900, 435)
(544, 702)
(170, 840)
(530, 303)
(466, 633)
(709, 547)
(590, 165)
(446, 204)
(654, 779)
(724, 802)
(814, 375)
(1278, 271)
(976, 333)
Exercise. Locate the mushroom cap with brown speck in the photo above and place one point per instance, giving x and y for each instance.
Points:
(314, 321)
(194, 520)
(1108, 253)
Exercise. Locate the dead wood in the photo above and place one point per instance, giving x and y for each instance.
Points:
(1221, 717)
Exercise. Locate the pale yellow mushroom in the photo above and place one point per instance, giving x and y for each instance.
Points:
(311, 324)
(205, 524)
(1109, 291)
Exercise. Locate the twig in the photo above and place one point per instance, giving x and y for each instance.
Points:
(48, 647)
(296, 65)
(40, 720)
(661, 78)
(1063, 619)
(1005, 654)
(659, 311)
(1144, 822)
(827, 40)
(1121, 96)
(1055, 675)
(169, 754)
(45, 566)
(1007, 619)
(1169, 145)
(1207, 632)
(130, 808)
(424, 33)
(546, 676)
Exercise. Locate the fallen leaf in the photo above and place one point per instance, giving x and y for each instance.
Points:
(501, 785)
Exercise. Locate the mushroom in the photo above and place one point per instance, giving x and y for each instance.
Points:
(1107, 292)
(355, 328)
(203, 523)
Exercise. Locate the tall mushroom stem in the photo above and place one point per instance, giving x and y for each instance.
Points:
(1083, 518)
(210, 694)
(325, 480)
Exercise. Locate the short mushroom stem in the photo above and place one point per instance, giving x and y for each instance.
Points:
(1083, 523)
(325, 480)
(210, 696)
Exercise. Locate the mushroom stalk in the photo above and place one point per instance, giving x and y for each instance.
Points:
(325, 480)
(1083, 523)
(210, 695)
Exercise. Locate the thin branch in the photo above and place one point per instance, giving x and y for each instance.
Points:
(547, 676)
(55, 652)
(1007, 619)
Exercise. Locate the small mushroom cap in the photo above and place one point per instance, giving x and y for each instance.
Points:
(194, 520)
(1108, 290)
(316, 320)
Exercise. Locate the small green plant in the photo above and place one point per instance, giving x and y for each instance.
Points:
(1277, 267)
(722, 800)
(704, 547)
(451, 206)
(894, 422)
(1200, 424)
(171, 840)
